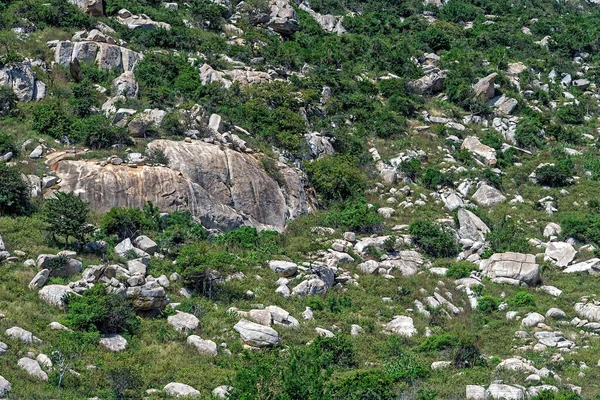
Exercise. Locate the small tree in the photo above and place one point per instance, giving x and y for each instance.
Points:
(14, 192)
(66, 215)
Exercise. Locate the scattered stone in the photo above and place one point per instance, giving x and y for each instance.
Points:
(113, 342)
(175, 389)
(32, 367)
(183, 322)
(204, 347)
(256, 335)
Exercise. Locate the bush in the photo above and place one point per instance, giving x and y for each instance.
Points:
(180, 229)
(50, 118)
(433, 238)
(411, 168)
(434, 178)
(467, 355)
(249, 238)
(7, 144)
(506, 235)
(487, 304)
(337, 350)
(171, 125)
(529, 133)
(355, 216)
(585, 228)
(14, 193)
(360, 385)
(98, 133)
(439, 342)
(123, 222)
(523, 299)
(8, 101)
(336, 178)
(492, 178)
(571, 114)
(406, 368)
(461, 269)
(555, 175)
(98, 310)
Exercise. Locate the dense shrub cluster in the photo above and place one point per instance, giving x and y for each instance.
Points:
(433, 238)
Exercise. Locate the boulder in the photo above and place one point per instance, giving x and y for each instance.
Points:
(150, 296)
(591, 266)
(518, 267)
(471, 226)
(21, 335)
(71, 266)
(310, 287)
(402, 325)
(113, 342)
(215, 183)
(204, 347)
(141, 21)
(39, 280)
(179, 390)
(488, 196)
(588, 311)
(552, 229)
(283, 19)
(183, 321)
(126, 85)
(532, 320)
(22, 80)
(318, 145)
(32, 367)
(506, 392)
(283, 268)
(475, 392)
(105, 55)
(145, 244)
(125, 249)
(484, 88)
(517, 364)
(256, 335)
(91, 7)
(429, 84)
(486, 153)
(55, 295)
(4, 386)
(561, 252)
(556, 313)
(137, 267)
(221, 392)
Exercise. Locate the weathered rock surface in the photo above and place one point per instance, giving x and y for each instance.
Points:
(588, 311)
(150, 296)
(32, 367)
(226, 78)
(54, 295)
(23, 81)
(506, 392)
(141, 21)
(484, 88)
(183, 321)
(471, 226)
(4, 386)
(39, 279)
(402, 325)
(175, 389)
(283, 268)
(488, 196)
(91, 7)
(107, 56)
(224, 188)
(283, 19)
(18, 333)
(429, 84)
(204, 347)
(126, 85)
(511, 268)
(486, 153)
(113, 342)
(561, 252)
(310, 287)
(256, 335)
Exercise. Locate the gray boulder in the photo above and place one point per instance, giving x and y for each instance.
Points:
(150, 296)
(22, 80)
(55, 295)
(113, 342)
(506, 392)
(39, 280)
(310, 287)
(221, 392)
(402, 325)
(589, 311)
(256, 335)
(32, 367)
(283, 268)
(183, 321)
(512, 268)
(484, 88)
(21, 335)
(175, 389)
(146, 244)
(562, 253)
(4, 386)
(71, 266)
(486, 153)
(126, 85)
(204, 347)
(488, 196)
(471, 226)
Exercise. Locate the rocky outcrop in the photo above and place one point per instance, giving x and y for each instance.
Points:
(224, 188)
(91, 7)
(23, 81)
(226, 78)
(402, 325)
(141, 21)
(283, 18)
(471, 226)
(329, 23)
(480, 150)
(514, 268)
(484, 88)
(107, 56)
(125, 85)
(429, 84)
(488, 196)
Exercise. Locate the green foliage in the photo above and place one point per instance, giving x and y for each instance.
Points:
(505, 235)
(99, 310)
(555, 175)
(98, 133)
(171, 125)
(336, 351)
(207, 14)
(585, 228)
(7, 144)
(432, 178)
(84, 98)
(50, 118)
(336, 178)
(492, 178)
(361, 385)
(406, 368)
(124, 222)
(433, 238)
(411, 168)
(58, 263)
(355, 216)
(529, 133)
(460, 269)
(54, 13)
(487, 304)
(467, 354)
(180, 229)
(66, 215)
(8, 101)
(571, 114)
(523, 299)
(14, 193)
(439, 342)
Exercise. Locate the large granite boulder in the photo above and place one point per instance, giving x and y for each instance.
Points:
(484, 88)
(512, 268)
(562, 253)
(22, 80)
(402, 325)
(486, 153)
(4, 386)
(429, 84)
(114, 342)
(283, 19)
(55, 295)
(471, 226)
(204, 347)
(126, 85)
(106, 56)
(488, 196)
(141, 21)
(175, 389)
(226, 189)
(91, 7)
(150, 296)
(32, 367)
(183, 321)
(589, 311)
(256, 335)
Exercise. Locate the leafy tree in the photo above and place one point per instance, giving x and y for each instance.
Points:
(49, 118)
(433, 238)
(14, 193)
(68, 348)
(336, 178)
(529, 133)
(356, 216)
(66, 215)
(123, 222)
(555, 175)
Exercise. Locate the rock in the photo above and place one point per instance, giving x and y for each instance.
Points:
(38, 152)
(488, 196)
(440, 364)
(356, 330)
(484, 88)
(113, 342)
(318, 145)
(137, 267)
(591, 266)
(20, 334)
(501, 391)
(310, 287)
(54, 295)
(475, 392)
(283, 19)
(22, 80)
(556, 313)
(532, 319)
(91, 7)
(175, 389)
(146, 244)
(324, 332)
(183, 322)
(221, 392)
(262, 317)
(256, 335)
(204, 347)
(561, 252)
(4, 386)
(386, 212)
(453, 201)
(503, 105)
(125, 249)
(3, 348)
(44, 361)
(283, 268)
(517, 364)
(106, 56)
(471, 226)
(515, 266)
(588, 311)
(125, 85)
(551, 290)
(402, 325)
(552, 229)
(429, 84)
(32, 367)
(486, 153)
(58, 326)
(39, 279)
(150, 296)
(2, 245)
(141, 21)
(215, 183)
(71, 267)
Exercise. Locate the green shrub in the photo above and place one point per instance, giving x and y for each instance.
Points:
(492, 178)
(180, 229)
(464, 156)
(8, 101)
(585, 228)
(98, 133)
(461, 269)
(432, 178)
(468, 355)
(439, 342)
(66, 215)
(360, 385)
(171, 125)
(493, 139)
(529, 133)
(433, 238)
(487, 304)
(571, 114)
(7, 144)
(337, 350)
(84, 98)
(98, 310)
(406, 368)
(123, 222)
(523, 299)
(336, 178)
(555, 175)
(14, 193)
(50, 118)
(355, 216)
(505, 235)
(411, 168)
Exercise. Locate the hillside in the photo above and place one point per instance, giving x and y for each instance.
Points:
(275, 199)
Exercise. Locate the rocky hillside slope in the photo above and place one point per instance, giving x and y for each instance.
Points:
(284, 199)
